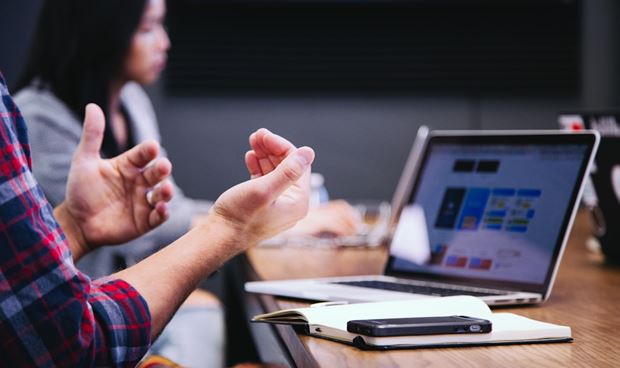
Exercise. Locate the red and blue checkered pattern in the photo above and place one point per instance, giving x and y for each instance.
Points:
(52, 315)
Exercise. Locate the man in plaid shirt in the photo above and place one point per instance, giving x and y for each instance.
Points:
(53, 315)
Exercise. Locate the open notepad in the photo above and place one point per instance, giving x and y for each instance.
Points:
(330, 322)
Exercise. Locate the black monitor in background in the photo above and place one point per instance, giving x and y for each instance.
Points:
(604, 195)
(475, 47)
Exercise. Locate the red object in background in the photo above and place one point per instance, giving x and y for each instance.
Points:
(576, 126)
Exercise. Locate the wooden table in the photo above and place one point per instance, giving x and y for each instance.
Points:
(586, 297)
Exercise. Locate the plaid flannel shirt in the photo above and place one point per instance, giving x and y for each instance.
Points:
(50, 313)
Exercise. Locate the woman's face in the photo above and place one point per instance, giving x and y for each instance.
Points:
(149, 46)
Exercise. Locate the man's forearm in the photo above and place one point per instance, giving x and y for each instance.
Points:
(166, 278)
(72, 230)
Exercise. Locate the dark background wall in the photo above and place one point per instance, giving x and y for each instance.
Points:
(361, 136)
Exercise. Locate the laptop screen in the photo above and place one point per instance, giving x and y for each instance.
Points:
(490, 208)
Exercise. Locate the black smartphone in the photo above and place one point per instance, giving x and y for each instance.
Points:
(419, 326)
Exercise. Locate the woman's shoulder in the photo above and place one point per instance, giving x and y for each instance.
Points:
(34, 98)
(132, 94)
(140, 109)
(38, 104)
(133, 89)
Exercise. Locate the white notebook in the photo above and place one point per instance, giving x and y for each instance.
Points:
(329, 321)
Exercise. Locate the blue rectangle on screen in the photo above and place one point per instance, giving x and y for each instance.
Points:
(497, 213)
(493, 226)
(450, 207)
(530, 213)
(517, 229)
(473, 209)
(529, 193)
(505, 192)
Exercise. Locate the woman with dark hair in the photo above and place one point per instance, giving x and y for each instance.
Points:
(81, 54)
(102, 51)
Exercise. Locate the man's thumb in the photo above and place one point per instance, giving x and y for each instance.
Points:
(92, 131)
(290, 170)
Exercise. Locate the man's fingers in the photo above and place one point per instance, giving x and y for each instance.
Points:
(158, 215)
(266, 165)
(289, 171)
(139, 156)
(270, 149)
(256, 142)
(276, 145)
(157, 172)
(92, 132)
(158, 198)
(251, 162)
(161, 193)
(262, 155)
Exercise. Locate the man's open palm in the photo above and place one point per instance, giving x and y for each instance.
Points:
(107, 198)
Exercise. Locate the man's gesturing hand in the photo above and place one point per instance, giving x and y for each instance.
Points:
(277, 195)
(108, 200)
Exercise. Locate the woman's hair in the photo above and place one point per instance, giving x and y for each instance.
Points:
(79, 48)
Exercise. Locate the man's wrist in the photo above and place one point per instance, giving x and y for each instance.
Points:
(73, 231)
(233, 234)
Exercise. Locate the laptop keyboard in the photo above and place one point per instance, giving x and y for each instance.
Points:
(416, 289)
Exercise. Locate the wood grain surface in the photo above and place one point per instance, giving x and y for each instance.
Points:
(586, 297)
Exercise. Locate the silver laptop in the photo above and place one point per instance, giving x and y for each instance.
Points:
(488, 214)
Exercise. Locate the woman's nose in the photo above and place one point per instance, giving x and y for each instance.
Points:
(164, 40)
